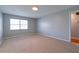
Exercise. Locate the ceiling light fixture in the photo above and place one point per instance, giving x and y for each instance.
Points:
(35, 8)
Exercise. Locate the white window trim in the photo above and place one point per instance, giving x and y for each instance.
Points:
(19, 24)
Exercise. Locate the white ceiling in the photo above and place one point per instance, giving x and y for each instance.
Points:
(25, 10)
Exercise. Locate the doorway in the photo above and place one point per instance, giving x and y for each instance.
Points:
(75, 28)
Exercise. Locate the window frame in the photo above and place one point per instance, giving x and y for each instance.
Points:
(19, 24)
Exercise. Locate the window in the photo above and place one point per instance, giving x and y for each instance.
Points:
(16, 24)
(24, 24)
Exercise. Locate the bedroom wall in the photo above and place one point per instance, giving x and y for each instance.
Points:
(57, 25)
(1, 27)
(10, 33)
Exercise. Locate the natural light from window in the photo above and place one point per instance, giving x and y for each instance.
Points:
(17, 24)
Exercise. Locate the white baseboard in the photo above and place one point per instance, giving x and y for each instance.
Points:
(55, 38)
(11, 37)
(18, 36)
(44, 35)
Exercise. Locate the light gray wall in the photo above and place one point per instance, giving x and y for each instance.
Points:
(1, 27)
(57, 25)
(11, 33)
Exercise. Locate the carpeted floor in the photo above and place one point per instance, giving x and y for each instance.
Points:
(37, 44)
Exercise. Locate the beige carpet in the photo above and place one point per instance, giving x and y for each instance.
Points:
(37, 43)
